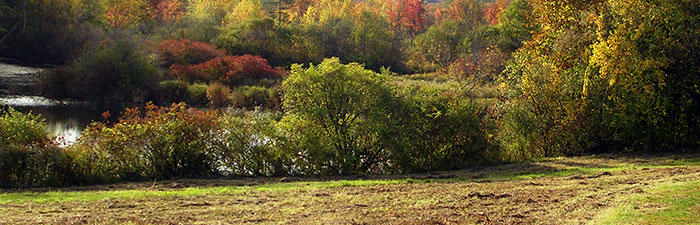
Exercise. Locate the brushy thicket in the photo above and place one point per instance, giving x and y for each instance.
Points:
(340, 119)
(117, 72)
(229, 70)
(27, 157)
(155, 144)
(187, 52)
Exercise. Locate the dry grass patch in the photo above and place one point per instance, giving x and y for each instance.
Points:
(554, 191)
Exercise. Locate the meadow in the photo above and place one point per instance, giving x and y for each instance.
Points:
(601, 189)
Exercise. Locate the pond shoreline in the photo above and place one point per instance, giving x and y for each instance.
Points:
(65, 118)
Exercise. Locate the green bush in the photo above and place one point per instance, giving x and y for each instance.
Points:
(172, 91)
(249, 144)
(197, 94)
(334, 111)
(253, 96)
(27, 157)
(436, 129)
(116, 72)
(20, 128)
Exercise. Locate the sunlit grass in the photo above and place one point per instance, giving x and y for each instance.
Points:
(67, 196)
(61, 196)
(667, 203)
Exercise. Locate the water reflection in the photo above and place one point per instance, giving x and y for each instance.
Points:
(65, 120)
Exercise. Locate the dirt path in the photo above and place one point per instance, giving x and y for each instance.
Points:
(564, 191)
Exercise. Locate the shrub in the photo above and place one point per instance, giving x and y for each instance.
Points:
(20, 128)
(53, 83)
(172, 91)
(218, 95)
(249, 144)
(252, 96)
(27, 157)
(334, 111)
(161, 142)
(197, 94)
(436, 129)
(187, 52)
(229, 70)
(118, 71)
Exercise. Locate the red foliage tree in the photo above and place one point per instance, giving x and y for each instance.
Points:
(228, 69)
(187, 52)
(406, 15)
(493, 12)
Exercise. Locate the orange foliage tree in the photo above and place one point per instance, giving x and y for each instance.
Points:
(406, 15)
(494, 10)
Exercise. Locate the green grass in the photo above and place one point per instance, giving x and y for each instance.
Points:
(668, 203)
(66, 196)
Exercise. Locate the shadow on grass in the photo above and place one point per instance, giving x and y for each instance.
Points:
(550, 167)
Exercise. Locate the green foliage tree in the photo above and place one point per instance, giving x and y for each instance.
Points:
(373, 43)
(259, 36)
(513, 25)
(204, 17)
(437, 47)
(244, 11)
(115, 73)
(604, 76)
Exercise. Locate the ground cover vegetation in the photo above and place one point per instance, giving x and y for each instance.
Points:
(603, 189)
(338, 87)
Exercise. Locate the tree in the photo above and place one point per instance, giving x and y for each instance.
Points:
(125, 13)
(469, 12)
(513, 25)
(259, 36)
(47, 31)
(406, 15)
(297, 8)
(325, 11)
(205, 16)
(437, 47)
(245, 10)
(605, 76)
(372, 41)
(494, 11)
(169, 11)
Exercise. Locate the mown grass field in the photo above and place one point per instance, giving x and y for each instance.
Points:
(579, 190)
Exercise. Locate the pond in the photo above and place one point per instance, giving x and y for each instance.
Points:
(64, 120)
